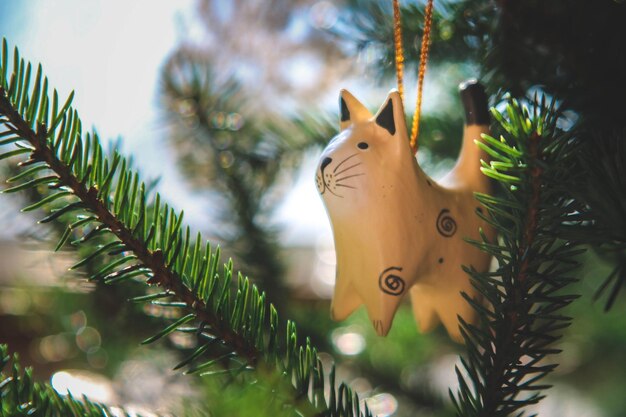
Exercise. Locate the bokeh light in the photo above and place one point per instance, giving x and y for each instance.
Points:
(97, 388)
(382, 405)
(348, 340)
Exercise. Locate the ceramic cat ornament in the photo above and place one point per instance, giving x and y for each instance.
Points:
(396, 230)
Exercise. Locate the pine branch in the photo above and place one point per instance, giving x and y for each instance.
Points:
(603, 160)
(152, 260)
(224, 146)
(21, 396)
(505, 362)
(457, 35)
(101, 196)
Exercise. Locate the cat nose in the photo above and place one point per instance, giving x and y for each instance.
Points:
(325, 163)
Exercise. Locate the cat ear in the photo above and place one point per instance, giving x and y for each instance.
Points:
(391, 115)
(352, 110)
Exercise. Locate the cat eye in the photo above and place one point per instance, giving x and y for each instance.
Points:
(362, 145)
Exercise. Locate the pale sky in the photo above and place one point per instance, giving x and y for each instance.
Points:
(110, 52)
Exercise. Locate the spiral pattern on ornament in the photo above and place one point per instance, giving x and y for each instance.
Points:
(389, 283)
(446, 225)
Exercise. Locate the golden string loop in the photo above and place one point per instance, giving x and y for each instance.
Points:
(425, 47)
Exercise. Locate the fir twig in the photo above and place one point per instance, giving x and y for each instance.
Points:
(506, 354)
(603, 160)
(21, 396)
(240, 155)
(104, 197)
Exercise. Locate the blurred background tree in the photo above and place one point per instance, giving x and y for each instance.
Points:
(247, 94)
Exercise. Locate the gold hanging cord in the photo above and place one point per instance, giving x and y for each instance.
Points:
(397, 37)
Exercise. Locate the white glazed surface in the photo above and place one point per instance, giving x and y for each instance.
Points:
(396, 230)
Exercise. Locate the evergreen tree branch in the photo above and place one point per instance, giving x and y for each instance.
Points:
(456, 35)
(517, 46)
(161, 274)
(603, 160)
(223, 145)
(506, 355)
(21, 396)
(102, 196)
(211, 156)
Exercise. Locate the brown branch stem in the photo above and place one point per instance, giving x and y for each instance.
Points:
(163, 276)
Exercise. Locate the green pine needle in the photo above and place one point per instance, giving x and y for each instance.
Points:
(21, 396)
(113, 207)
(506, 352)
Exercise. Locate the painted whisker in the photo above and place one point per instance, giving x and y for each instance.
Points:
(349, 176)
(350, 167)
(341, 163)
(331, 191)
